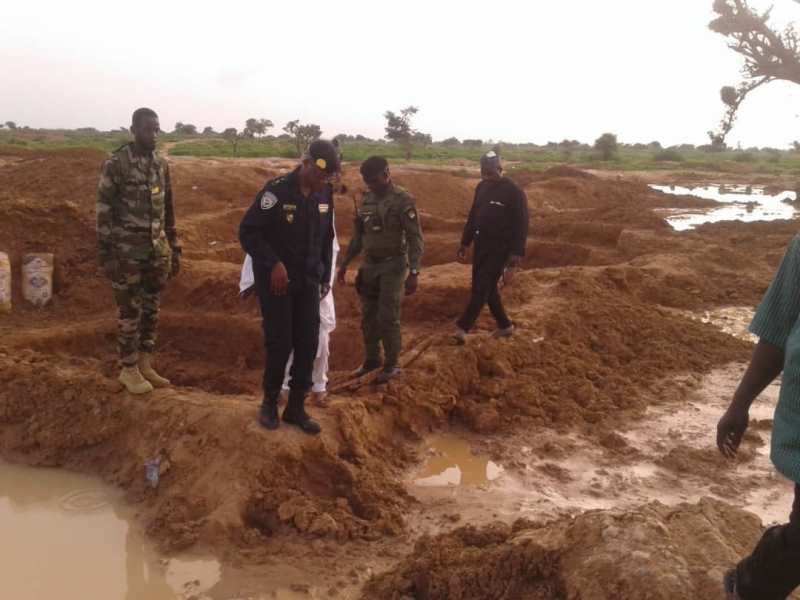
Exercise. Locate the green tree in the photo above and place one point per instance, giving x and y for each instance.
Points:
(607, 146)
(424, 139)
(209, 131)
(303, 134)
(256, 127)
(716, 142)
(11, 125)
(398, 128)
(451, 141)
(185, 129)
(769, 54)
(233, 137)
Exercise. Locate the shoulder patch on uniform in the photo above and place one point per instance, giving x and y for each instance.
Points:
(402, 192)
(268, 200)
(411, 212)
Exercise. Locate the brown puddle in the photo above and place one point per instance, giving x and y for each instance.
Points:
(669, 455)
(67, 536)
(453, 463)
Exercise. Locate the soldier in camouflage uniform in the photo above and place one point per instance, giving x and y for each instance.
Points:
(138, 246)
(387, 229)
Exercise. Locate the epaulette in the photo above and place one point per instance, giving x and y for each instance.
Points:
(117, 151)
(403, 193)
(278, 181)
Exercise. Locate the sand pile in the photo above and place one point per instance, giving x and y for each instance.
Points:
(655, 552)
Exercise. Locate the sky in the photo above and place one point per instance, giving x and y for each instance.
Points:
(510, 70)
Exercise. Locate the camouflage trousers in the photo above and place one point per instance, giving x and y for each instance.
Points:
(137, 287)
(380, 288)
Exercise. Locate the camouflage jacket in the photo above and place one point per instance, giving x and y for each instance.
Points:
(387, 227)
(135, 216)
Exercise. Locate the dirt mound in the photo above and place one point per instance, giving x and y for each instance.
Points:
(675, 553)
(48, 178)
(565, 171)
(225, 481)
(585, 350)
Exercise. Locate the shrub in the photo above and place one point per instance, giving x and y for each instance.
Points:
(669, 155)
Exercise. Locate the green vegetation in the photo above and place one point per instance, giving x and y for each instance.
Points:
(607, 146)
(450, 152)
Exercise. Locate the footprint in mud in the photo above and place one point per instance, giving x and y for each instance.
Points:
(83, 501)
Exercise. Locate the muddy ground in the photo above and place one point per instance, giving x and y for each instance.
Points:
(601, 495)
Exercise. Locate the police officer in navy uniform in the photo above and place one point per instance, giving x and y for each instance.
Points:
(289, 235)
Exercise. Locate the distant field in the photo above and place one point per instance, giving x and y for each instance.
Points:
(524, 157)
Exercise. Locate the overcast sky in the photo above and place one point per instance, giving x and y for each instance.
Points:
(507, 70)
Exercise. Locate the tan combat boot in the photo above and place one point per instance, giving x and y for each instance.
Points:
(147, 371)
(133, 381)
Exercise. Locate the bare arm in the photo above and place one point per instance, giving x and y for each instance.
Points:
(765, 365)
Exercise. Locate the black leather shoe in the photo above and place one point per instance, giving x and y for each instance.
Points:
(367, 367)
(295, 413)
(303, 421)
(388, 374)
(268, 416)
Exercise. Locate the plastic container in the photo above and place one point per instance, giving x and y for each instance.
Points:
(5, 283)
(37, 278)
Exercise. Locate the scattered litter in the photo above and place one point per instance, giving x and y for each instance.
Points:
(153, 471)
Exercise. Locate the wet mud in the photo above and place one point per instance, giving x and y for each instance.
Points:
(619, 330)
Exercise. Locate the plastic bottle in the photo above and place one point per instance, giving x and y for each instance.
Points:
(5, 283)
(37, 278)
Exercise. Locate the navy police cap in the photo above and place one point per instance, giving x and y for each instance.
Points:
(325, 155)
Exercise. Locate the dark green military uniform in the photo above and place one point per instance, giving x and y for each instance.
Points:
(387, 229)
(136, 237)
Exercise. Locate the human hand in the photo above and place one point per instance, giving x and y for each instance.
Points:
(324, 290)
(461, 253)
(730, 430)
(512, 266)
(340, 275)
(278, 280)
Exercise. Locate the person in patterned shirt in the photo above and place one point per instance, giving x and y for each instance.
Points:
(772, 571)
